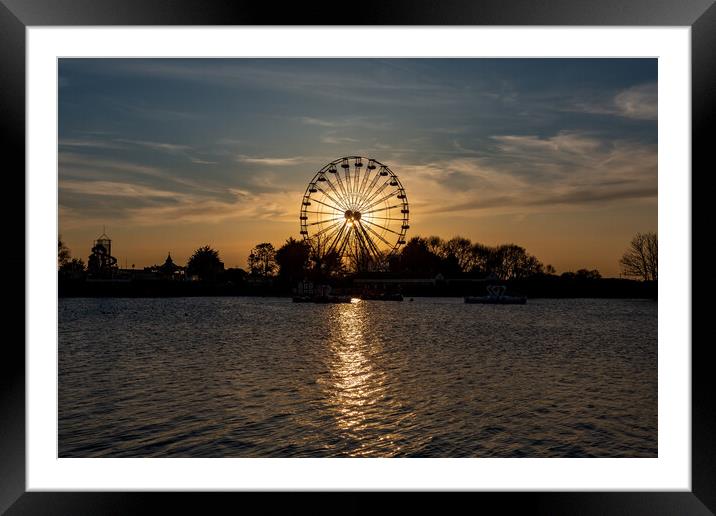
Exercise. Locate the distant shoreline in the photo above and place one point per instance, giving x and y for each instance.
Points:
(547, 287)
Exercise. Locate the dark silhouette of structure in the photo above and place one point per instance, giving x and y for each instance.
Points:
(168, 270)
(101, 263)
(424, 267)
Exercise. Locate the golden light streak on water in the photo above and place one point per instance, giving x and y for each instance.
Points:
(357, 385)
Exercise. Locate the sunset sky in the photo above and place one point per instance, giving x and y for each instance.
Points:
(556, 155)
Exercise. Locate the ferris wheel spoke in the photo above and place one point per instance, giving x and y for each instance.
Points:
(375, 194)
(331, 235)
(349, 190)
(327, 195)
(325, 231)
(345, 240)
(379, 236)
(339, 210)
(323, 212)
(332, 188)
(348, 182)
(368, 255)
(370, 241)
(337, 238)
(342, 193)
(354, 196)
(372, 184)
(357, 179)
(322, 231)
(382, 199)
(373, 191)
(361, 239)
(381, 209)
(374, 181)
(358, 244)
(340, 184)
(325, 221)
(387, 218)
(356, 174)
(361, 190)
(382, 227)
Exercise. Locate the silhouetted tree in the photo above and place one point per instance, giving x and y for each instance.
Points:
(549, 269)
(482, 257)
(641, 259)
(326, 266)
(205, 263)
(416, 256)
(73, 265)
(292, 260)
(588, 274)
(235, 276)
(262, 260)
(449, 266)
(461, 249)
(63, 253)
(73, 269)
(435, 245)
(511, 261)
(324, 263)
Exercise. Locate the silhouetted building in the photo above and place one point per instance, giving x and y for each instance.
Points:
(101, 263)
(166, 271)
(170, 270)
(106, 242)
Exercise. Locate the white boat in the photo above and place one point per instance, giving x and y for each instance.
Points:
(496, 296)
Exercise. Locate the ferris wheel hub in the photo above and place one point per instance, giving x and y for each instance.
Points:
(352, 215)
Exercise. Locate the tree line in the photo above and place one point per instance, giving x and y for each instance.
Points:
(428, 256)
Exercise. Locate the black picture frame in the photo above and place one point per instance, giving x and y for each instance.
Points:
(16, 15)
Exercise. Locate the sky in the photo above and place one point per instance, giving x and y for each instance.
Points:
(556, 155)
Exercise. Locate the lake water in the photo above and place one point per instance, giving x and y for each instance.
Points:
(264, 377)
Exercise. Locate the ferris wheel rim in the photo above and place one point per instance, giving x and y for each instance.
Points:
(361, 206)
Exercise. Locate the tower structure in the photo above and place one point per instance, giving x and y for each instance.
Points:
(101, 261)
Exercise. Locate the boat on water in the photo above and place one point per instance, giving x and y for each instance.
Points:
(496, 296)
(322, 299)
(384, 296)
(320, 294)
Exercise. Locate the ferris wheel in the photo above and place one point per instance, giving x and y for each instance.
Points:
(357, 208)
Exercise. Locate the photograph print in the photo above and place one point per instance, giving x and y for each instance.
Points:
(357, 257)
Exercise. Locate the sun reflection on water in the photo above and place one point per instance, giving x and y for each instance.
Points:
(356, 390)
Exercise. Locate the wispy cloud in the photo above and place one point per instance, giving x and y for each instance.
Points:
(369, 88)
(529, 173)
(115, 189)
(141, 205)
(157, 146)
(337, 140)
(273, 162)
(90, 144)
(319, 122)
(637, 102)
(81, 167)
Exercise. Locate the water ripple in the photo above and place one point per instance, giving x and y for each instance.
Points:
(258, 377)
